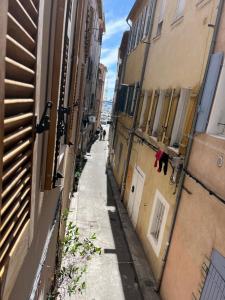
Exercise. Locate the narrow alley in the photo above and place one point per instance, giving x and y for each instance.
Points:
(110, 275)
(112, 149)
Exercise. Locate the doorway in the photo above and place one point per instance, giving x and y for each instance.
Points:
(135, 195)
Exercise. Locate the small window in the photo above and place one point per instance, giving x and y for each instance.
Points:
(131, 99)
(158, 221)
(161, 17)
(148, 18)
(158, 113)
(180, 118)
(180, 8)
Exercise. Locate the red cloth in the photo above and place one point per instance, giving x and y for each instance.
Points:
(158, 156)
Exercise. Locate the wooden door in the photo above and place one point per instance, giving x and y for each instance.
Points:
(136, 195)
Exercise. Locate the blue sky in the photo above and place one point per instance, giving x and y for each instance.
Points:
(116, 12)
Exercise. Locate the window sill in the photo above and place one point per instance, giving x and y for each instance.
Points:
(173, 151)
(177, 20)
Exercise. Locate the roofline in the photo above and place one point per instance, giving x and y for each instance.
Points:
(133, 9)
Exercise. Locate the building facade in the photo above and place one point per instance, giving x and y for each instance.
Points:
(164, 116)
(102, 71)
(198, 236)
(43, 70)
(95, 32)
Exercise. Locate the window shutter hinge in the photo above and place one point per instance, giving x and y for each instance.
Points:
(45, 119)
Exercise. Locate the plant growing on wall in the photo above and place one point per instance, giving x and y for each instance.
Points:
(76, 251)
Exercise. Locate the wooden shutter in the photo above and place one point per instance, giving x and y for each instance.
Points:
(171, 117)
(209, 91)
(77, 74)
(56, 91)
(146, 113)
(155, 99)
(89, 30)
(164, 113)
(192, 105)
(140, 108)
(18, 37)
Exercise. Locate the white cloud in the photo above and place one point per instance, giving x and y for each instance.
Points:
(109, 56)
(114, 27)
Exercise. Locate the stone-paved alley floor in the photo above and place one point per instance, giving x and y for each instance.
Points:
(110, 276)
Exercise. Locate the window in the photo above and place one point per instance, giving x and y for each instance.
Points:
(216, 124)
(180, 118)
(58, 86)
(122, 98)
(148, 19)
(157, 223)
(214, 287)
(161, 17)
(145, 110)
(180, 8)
(131, 99)
(158, 113)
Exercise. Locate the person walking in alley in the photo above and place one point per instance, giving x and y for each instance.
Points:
(104, 134)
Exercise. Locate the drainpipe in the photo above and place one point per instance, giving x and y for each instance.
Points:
(132, 132)
(190, 144)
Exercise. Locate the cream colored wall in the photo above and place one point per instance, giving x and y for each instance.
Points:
(177, 57)
(122, 136)
(199, 229)
(144, 158)
(134, 65)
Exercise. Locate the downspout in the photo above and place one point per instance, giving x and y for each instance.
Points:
(190, 143)
(132, 132)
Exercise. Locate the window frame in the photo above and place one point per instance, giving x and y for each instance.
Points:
(156, 245)
(161, 17)
(179, 9)
(179, 120)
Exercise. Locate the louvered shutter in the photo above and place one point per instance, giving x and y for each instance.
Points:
(192, 105)
(209, 91)
(146, 113)
(140, 108)
(164, 113)
(155, 100)
(59, 76)
(18, 37)
(171, 117)
(77, 73)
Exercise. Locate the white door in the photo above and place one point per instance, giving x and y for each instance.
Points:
(136, 195)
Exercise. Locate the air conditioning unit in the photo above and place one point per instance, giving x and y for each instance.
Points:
(92, 119)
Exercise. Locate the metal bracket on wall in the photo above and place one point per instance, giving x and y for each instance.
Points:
(45, 119)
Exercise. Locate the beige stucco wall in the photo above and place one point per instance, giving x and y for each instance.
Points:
(200, 223)
(134, 65)
(199, 229)
(144, 158)
(122, 136)
(178, 56)
(203, 164)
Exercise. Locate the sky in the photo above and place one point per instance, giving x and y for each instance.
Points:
(116, 12)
